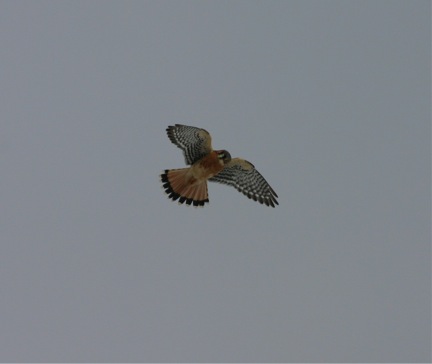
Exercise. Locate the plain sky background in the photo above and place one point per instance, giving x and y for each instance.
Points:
(330, 100)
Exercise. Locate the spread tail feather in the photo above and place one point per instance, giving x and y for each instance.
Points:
(175, 184)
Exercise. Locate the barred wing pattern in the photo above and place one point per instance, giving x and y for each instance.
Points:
(242, 175)
(195, 142)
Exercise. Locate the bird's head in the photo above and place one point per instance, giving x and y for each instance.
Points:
(223, 155)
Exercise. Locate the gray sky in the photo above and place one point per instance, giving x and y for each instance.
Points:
(330, 100)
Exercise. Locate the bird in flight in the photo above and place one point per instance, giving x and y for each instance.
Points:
(190, 184)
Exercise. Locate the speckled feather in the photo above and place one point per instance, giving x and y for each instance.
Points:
(242, 175)
(195, 142)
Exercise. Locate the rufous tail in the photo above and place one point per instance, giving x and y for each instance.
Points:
(177, 185)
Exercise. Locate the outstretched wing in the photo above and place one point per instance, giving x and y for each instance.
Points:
(242, 175)
(195, 142)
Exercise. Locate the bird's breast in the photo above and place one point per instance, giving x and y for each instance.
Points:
(207, 167)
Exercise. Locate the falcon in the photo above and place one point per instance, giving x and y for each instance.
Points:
(189, 185)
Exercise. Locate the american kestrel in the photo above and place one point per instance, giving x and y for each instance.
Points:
(190, 184)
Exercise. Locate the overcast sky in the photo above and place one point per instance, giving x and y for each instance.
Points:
(330, 100)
